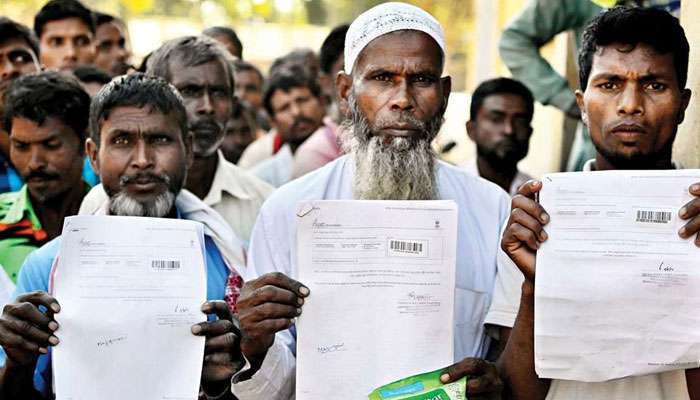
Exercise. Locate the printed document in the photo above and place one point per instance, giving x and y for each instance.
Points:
(382, 281)
(130, 288)
(617, 291)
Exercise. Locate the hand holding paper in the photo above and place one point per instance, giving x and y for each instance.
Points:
(617, 288)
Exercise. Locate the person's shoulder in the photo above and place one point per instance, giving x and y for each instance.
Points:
(311, 186)
(257, 151)
(35, 271)
(7, 202)
(250, 183)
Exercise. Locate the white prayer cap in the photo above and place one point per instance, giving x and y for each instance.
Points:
(386, 18)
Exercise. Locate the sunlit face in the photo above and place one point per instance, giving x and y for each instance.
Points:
(397, 81)
(240, 132)
(141, 156)
(16, 59)
(66, 44)
(632, 105)
(208, 97)
(48, 156)
(112, 53)
(249, 88)
(296, 113)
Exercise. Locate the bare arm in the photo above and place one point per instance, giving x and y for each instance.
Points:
(517, 362)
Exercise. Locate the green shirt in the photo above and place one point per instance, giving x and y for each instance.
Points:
(20, 231)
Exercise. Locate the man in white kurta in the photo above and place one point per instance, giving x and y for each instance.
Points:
(390, 158)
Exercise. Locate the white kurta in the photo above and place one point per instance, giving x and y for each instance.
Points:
(483, 208)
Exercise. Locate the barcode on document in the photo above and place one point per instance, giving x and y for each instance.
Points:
(656, 217)
(165, 264)
(408, 247)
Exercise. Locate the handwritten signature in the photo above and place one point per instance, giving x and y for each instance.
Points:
(332, 348)
(110, 342)
(419, 297)
(665, 267)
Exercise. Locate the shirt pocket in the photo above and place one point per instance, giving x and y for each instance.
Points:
(470, 311)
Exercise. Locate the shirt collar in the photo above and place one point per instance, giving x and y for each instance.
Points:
(21, 208)
(225, 180)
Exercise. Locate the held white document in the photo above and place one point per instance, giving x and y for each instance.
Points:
(617, 291)
(129, 288)
(382, 281)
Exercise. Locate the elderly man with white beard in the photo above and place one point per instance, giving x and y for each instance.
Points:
(393, 86)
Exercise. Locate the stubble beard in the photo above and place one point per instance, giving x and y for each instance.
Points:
(402, 169)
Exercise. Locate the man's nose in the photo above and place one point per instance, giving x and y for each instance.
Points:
(8, 70)
(631, 101)
(142, 156)
(37, 161)
(205, 105)
(402, 99)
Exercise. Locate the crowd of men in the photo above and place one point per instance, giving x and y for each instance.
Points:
(195, 132)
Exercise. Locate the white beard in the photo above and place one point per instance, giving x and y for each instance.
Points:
(403, 169)
(123, 205)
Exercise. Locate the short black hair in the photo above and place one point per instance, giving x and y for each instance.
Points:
(43, 95)
(299, 57)
(333, 47)
(229, 34)
(285, 79)
(88, 74)
(500, 86)
(136, 90)
(11, 30)
(242, 66)
(632, 26)
(192, 51)
(56, 10)
(102, 18)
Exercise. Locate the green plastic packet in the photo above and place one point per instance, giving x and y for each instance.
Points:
(425, 386)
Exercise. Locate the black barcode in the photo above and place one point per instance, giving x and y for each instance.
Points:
(413, 247)
(165, 264)
(657, 217)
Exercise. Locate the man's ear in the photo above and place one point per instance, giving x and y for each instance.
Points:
(446, 83)
(685, 100)
(470, 129)
(343, 86)
(581, 106)
(91, 150)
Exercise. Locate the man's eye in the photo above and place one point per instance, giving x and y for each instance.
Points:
(190, 91)
(608, 86)
(20, 146)
(82, 41)
(382, 78)
(52, 145)
(160, 140)
(104, 47)
(656, 86)
(121, 140)
(424, 79)
(55, 42)
(220, 93)
(20, 58)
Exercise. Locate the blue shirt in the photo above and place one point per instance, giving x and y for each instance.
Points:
(35, 272)
(9, 180)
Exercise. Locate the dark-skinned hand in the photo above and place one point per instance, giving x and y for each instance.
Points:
(691, 213)
(267, 305)
(483, 380)
(25, 331)
(222, 357)
(525, 229)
